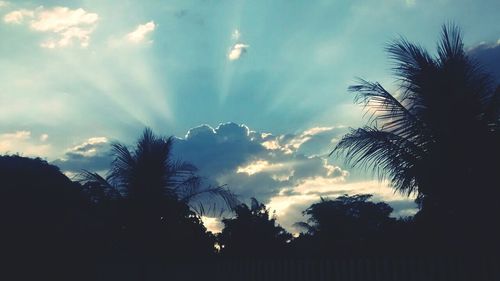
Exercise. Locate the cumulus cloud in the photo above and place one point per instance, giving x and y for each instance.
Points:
(237, 50)
(17, 17)
(287, 172)
(141, 32)
(22, 142)
(489, 56)
(66, 26)
(233, 154)
(93, 155)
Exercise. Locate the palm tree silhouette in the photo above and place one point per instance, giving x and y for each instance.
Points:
(148, 176)
(161, 199)
(439, 135)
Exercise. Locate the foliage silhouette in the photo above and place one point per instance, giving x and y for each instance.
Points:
(252, 233)
(154, 194)
(438, 137)
(346, 225)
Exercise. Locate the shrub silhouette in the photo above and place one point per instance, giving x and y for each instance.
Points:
(252, 233)
(346, 225)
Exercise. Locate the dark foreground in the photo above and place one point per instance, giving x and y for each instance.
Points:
(352, 269)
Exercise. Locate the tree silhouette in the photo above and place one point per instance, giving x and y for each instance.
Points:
(347, 217)
(157, 193)
(252, 233)
(347, 224)
(438, 136)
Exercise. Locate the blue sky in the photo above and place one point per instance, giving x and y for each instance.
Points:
(79, 74)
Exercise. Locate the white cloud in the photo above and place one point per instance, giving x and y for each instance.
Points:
(44, 137)
(66, 25)
(89, 147)
(21, 142)
(17, 17)
(60, 19)
(92, 154)
(140, 33)
(237, 51)
(4, 4)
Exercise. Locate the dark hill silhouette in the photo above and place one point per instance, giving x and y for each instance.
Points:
(43, 215)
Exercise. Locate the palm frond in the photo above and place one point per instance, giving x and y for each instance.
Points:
(415, 69)
(89, 177)
(122, 167)
(198, 195)
(451, 46)
(409, 59)
(383, 152)
(305, 226)
(388, 112)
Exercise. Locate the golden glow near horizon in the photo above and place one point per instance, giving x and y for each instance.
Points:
(260, 166)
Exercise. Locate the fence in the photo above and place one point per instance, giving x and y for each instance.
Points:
(351, 269)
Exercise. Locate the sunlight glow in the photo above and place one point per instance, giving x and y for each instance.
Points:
(259, 166)
(212, 224)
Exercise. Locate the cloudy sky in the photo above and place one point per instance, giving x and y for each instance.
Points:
(255, 91)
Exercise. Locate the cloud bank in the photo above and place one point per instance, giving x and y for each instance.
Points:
(286, 172)
(489, 57)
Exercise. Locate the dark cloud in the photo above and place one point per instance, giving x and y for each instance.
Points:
(217, 151)
(252, 164)
(92, 155)
(488, 55)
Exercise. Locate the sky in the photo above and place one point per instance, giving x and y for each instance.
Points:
(254, 91)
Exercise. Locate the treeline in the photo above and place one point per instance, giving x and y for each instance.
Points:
(45, 214)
